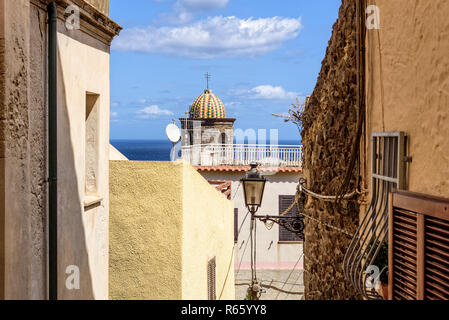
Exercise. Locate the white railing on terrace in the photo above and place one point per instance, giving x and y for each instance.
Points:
(243, 155)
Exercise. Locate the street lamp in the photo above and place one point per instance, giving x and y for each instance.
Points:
(253, 188)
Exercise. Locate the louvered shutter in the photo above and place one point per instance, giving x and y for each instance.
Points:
(436, 279)
(405, 254)
(284, 234)
(419, 247)
(211, 280)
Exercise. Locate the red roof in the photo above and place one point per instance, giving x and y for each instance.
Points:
(244, 169)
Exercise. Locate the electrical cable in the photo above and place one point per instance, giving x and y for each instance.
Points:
(301, 274)
(272, 281)
(288, 278)
(327, 198)
(243, 254)
(238, 187)
(232, 256)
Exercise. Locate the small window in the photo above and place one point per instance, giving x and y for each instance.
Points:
(92, 144)
(223, 138)
(211, 280)
(236, 225)
(284, 234)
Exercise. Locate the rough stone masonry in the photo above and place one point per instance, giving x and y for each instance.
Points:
(330, 121)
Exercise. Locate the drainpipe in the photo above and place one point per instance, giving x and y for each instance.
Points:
(52, 152)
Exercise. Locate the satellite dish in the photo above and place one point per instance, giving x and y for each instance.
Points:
(173, 133)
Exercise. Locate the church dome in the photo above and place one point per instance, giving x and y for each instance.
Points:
(208, 106)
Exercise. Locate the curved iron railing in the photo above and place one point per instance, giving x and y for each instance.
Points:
(388, 173)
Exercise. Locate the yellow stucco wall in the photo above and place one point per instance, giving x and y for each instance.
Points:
(166, 221)
(408, 86)
(145, 230)
(208, 231)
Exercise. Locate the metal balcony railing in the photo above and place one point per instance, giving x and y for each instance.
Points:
(243, 155)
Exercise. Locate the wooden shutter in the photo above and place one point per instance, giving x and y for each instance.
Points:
(436, 282)
(236, 225)
(284, 234)
(211, 280)
(419, 247)
(405, 254)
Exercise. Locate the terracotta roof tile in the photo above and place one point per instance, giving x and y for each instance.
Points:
(244, 169)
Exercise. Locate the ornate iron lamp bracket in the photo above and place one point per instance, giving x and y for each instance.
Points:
(292, 224)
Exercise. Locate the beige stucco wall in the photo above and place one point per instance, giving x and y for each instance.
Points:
(83, 236)
(407, 77)
(114, 154)
(166, 221)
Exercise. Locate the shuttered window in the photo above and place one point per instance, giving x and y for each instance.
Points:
(211, 280)
(419, 247)
(436, 269)
(236, 225)
(284, 234)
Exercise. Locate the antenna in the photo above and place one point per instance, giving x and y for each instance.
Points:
(208, 76)
(174, 135)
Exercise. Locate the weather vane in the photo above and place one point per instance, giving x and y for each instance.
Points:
(208, 76)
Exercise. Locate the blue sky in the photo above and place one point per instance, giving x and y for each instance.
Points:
(262, 54)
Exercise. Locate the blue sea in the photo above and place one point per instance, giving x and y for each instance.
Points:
(155, 150)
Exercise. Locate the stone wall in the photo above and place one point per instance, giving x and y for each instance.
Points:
(22, 152)
(329, 122)
(101, 5)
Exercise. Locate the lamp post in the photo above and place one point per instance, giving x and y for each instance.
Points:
(253, 189)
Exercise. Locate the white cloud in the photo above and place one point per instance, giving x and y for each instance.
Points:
(266, 92)
(154, 110)
(114, 114)
(211, 38)
(272, 93)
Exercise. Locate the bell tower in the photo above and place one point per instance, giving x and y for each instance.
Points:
(206, 122)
